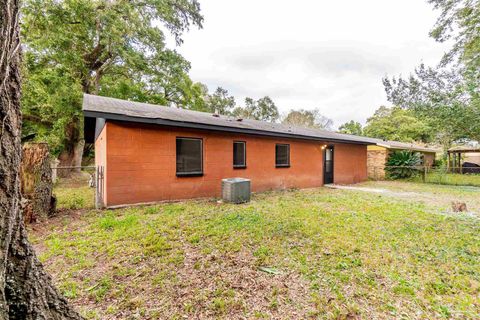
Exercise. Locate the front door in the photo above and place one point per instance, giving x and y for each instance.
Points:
(328, 165)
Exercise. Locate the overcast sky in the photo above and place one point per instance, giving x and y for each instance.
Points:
(309, 54)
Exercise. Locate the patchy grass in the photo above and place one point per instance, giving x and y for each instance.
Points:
(74, 197)
(438, 197)
(455, 179)
(332, 254)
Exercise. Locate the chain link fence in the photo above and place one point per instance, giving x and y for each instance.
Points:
(75, 187)
(460, 176)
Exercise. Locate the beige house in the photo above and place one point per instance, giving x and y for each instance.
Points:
(377, 155)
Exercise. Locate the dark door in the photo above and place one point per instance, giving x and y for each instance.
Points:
(328, 165)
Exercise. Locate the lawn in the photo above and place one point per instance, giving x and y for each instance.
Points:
(320, 253)
(454, 178)
(81, 197)
(440, 177)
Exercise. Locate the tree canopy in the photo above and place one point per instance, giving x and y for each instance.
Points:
(447, 96)
(262, 109)
(351, 127)
(220, 102)
(459, 21)
(397, 124)
(114, 48)
(308, 119)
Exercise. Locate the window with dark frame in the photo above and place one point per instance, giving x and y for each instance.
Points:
(239, 154)
(189, 157)
(282, 155)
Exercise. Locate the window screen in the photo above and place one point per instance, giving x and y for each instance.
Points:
(189, 156)
(282, 155)
(239, 154)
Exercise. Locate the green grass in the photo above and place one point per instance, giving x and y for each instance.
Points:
(329, 254)
(454, 179)
(74, 197)
(439, 177)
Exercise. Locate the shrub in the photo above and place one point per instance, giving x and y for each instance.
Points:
(401, 164)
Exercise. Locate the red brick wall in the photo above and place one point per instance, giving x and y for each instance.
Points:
(141, 164)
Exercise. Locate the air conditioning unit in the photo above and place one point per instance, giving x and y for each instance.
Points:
(236, 190)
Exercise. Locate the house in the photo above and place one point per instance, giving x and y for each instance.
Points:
(150, 153)
(378, 155)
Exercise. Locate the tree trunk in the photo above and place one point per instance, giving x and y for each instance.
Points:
(26, 290)
(36, 182)
(73, 152)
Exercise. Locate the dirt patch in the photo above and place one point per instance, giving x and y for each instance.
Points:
(213, 286)
(239, 283)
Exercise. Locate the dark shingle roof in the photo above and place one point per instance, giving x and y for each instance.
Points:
(403, 146)
(116, 109)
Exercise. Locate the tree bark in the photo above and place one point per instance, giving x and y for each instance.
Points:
(71, 156)
(36, 182)
(26, 290)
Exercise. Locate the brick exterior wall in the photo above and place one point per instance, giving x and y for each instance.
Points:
(376, 163)
(140, 163)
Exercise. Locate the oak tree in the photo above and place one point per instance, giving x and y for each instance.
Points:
(351, 127)
(308, 119)
(263, 109)
(115, 48)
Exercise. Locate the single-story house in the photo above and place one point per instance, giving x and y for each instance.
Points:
(378, 155)
(151, 153)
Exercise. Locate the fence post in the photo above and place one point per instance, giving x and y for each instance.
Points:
(424, 177)
(98, 187)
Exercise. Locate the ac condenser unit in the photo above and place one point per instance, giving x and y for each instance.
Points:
(236, 190)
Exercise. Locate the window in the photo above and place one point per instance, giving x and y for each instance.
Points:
(239, 154)
(189, 157)
(282, 155)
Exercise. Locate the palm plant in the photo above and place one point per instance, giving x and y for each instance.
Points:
(402, 164)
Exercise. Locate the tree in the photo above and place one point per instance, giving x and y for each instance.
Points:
(351, 127)
(220, 101)
(448, 94)
(459, 22)
(397, 124)
(444, 98)
(114, 48)
(262, 109)
(26, 290)
(308, 119)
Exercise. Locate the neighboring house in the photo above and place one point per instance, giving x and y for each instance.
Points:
(152, 153)
(379, 152)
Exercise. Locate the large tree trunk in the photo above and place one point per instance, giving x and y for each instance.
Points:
(26, 290)
(73, 152)
(36, 182)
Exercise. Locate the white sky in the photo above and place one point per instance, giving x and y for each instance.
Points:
(309, 54)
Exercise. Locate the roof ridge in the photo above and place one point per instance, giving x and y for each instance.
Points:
(95, 106)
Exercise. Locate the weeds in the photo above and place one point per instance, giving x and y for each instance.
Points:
(342, 254)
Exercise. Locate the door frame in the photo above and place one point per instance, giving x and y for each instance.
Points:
(325, 164)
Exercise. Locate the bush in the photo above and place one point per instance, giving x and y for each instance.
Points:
(401, 164)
